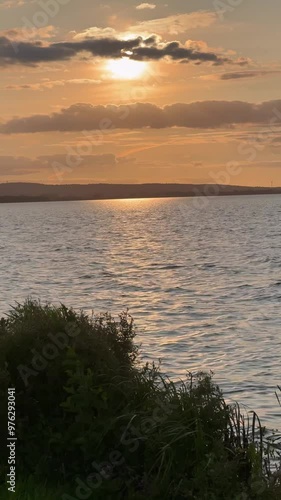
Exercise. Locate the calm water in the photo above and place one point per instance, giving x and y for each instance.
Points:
(204, 283)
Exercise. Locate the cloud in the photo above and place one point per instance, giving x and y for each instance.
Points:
(138, 48)
(22, 34)
(237, 75)
(95, 161)
(176, 24)
(9, 4)
(246, 74)
(175, 51)
(17, 165)
(262, 164)
(196, 115)
(32, 53)
(94, 32)
(144, 6)
(50, 84)
(22, 165)
(276, 140)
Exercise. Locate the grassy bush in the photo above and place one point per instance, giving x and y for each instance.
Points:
(92, 423)
(30, 490)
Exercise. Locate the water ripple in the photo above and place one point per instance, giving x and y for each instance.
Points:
(203, 285)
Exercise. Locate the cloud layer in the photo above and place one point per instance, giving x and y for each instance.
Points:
(139, 48)
(203, 115)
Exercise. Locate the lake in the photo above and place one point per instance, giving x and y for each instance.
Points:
(202, 278)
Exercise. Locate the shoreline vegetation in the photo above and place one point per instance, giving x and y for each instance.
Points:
(31, 192)
(93, 423)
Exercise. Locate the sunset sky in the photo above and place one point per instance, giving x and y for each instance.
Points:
(124, 91)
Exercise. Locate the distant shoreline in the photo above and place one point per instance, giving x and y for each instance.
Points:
(16, 199)
(31, 192)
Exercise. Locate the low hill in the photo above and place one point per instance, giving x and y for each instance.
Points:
(20, 192)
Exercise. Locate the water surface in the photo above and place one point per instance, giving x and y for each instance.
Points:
(201, 277)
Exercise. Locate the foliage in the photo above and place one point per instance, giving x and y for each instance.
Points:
(90, 418)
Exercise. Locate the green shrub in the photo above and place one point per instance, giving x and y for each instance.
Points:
(89, 416)
(67, 369)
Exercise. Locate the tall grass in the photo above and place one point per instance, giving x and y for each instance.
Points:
(28, 489)
(92, 421)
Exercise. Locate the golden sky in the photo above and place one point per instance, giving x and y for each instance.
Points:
(130, 92)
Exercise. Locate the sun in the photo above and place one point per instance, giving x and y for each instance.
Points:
(126, 69)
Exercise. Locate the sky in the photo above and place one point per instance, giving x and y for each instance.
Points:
(131, 92)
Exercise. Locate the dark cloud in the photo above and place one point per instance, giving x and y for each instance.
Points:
(17, 52)
(102, 119)
(247, 74)
(176, 52)
(141, 49)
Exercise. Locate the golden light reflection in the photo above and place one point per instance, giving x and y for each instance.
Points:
(132, 203)
(126, 69)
